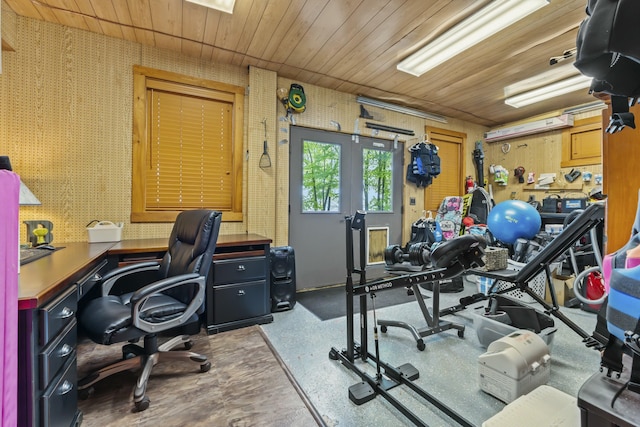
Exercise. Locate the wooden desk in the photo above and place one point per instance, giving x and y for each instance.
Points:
(48, 294)
(40, 280)
(239, 292)
(50, 288)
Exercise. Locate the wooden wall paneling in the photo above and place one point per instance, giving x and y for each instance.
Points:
(621, 181)
(66, 102)
(539, 153)
(261, 197)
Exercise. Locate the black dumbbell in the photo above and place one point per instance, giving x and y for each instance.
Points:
(393, 255)
(419, 254)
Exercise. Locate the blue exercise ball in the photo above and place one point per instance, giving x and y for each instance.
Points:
(513, 219)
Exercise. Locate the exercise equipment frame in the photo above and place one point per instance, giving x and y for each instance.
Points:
(381, 383)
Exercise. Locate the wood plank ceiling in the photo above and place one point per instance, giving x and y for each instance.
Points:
(351, 46)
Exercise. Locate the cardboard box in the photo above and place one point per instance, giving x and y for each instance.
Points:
(564, 288)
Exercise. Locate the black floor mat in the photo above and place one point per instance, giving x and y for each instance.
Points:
(331, 302)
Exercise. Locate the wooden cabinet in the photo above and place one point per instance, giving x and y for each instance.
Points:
(621, 180)
(582, 143)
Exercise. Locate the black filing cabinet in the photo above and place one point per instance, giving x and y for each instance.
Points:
(239, 291)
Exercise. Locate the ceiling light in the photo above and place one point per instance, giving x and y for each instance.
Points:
(592, 106)
(551, 91)
(554, 74)
(400, 109)
(496, 16)
(221, 5)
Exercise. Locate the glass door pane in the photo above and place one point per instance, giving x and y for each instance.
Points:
(320, 177)
(377, 174)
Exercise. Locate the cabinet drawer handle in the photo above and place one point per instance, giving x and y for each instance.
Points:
(65, 388)
(65, 351)
(241, 267)
(66, 313)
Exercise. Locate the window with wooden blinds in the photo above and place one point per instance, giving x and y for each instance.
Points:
(187, 147)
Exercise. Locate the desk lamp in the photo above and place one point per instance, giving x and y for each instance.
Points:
(26, 197)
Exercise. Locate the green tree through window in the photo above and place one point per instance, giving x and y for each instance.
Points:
(376, 173)
(320, 177)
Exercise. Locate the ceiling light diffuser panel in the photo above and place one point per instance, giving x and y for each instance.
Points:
(562, 87)
(491, 19)
(221, 5)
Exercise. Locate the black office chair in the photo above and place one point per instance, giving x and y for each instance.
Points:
(174, 301)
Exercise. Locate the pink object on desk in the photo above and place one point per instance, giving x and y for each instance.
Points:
(9, 223)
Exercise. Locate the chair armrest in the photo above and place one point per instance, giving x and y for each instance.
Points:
(111, 277)
(139, 298)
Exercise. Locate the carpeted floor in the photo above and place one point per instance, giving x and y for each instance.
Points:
(248, 385)
(330, 302)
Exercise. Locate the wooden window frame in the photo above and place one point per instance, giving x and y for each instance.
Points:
(189, 85)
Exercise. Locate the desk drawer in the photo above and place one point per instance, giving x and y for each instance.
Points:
(240, 301)
(57, 353)
(239, 270)
(89, 281)
(59, 402)
(57, 314)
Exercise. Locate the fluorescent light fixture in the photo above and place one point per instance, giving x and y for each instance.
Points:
(554, 74)
(400, 109)
(551, 91)
(598, 105)
(491, 19)
(221, 5)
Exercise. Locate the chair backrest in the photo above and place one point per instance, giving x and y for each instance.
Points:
(190, 249)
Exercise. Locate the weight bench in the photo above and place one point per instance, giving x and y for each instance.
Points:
(443, 256)
(591, 217)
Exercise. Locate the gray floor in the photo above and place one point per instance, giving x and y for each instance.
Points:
(448, 366)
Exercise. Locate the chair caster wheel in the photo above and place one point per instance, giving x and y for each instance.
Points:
(143, 404)
(421, 346)
(188, 345)
(383, 329)
(333, 354)
(205, 366)
(85, 393)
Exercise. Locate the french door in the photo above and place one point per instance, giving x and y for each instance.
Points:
(331, 175)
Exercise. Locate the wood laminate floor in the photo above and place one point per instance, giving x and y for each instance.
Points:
(246, 386)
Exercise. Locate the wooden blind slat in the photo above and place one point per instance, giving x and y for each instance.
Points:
(189, 150)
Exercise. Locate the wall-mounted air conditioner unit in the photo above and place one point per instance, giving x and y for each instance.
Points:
(530, 128)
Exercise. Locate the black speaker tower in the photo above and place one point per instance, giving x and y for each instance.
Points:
(283, 278)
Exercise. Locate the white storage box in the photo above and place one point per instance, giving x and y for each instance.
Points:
(105, 231)
(514, 365)
(544, 406)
